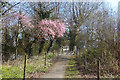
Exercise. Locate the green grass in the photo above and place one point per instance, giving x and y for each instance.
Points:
(71, 70)
(14, 69)
(30, 69)
(17, 72)
(0, 71)
(12, 72)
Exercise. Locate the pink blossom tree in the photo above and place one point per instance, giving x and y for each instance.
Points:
(47, 29)
(51, 28)
(44, 30)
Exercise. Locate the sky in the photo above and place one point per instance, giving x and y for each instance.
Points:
(113, 4)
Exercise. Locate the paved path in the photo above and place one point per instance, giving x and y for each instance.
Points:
(58, 69)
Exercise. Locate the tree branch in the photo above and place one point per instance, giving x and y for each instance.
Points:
(10, 8)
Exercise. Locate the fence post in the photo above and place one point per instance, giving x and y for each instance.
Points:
(53, 52)
(79, 53)
(85, 63)
(45, 58)
(24, 68)
(62, 49)
(98, 70)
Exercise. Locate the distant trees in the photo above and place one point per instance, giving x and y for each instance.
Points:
(80, 13)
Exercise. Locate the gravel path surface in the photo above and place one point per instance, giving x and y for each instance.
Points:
(58, 69)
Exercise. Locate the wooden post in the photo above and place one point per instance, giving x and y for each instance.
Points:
(16, 48)
(24, 68)
(75, 50)
(45, 59)
(85, 63)
(98, 70)
(79, 53)
(16, 54)
(62, 49)
(53, 52)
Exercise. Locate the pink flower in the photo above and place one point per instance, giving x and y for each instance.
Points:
(52, 28)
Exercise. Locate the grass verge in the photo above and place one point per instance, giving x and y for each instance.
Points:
(14, 69)
(71, 70)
